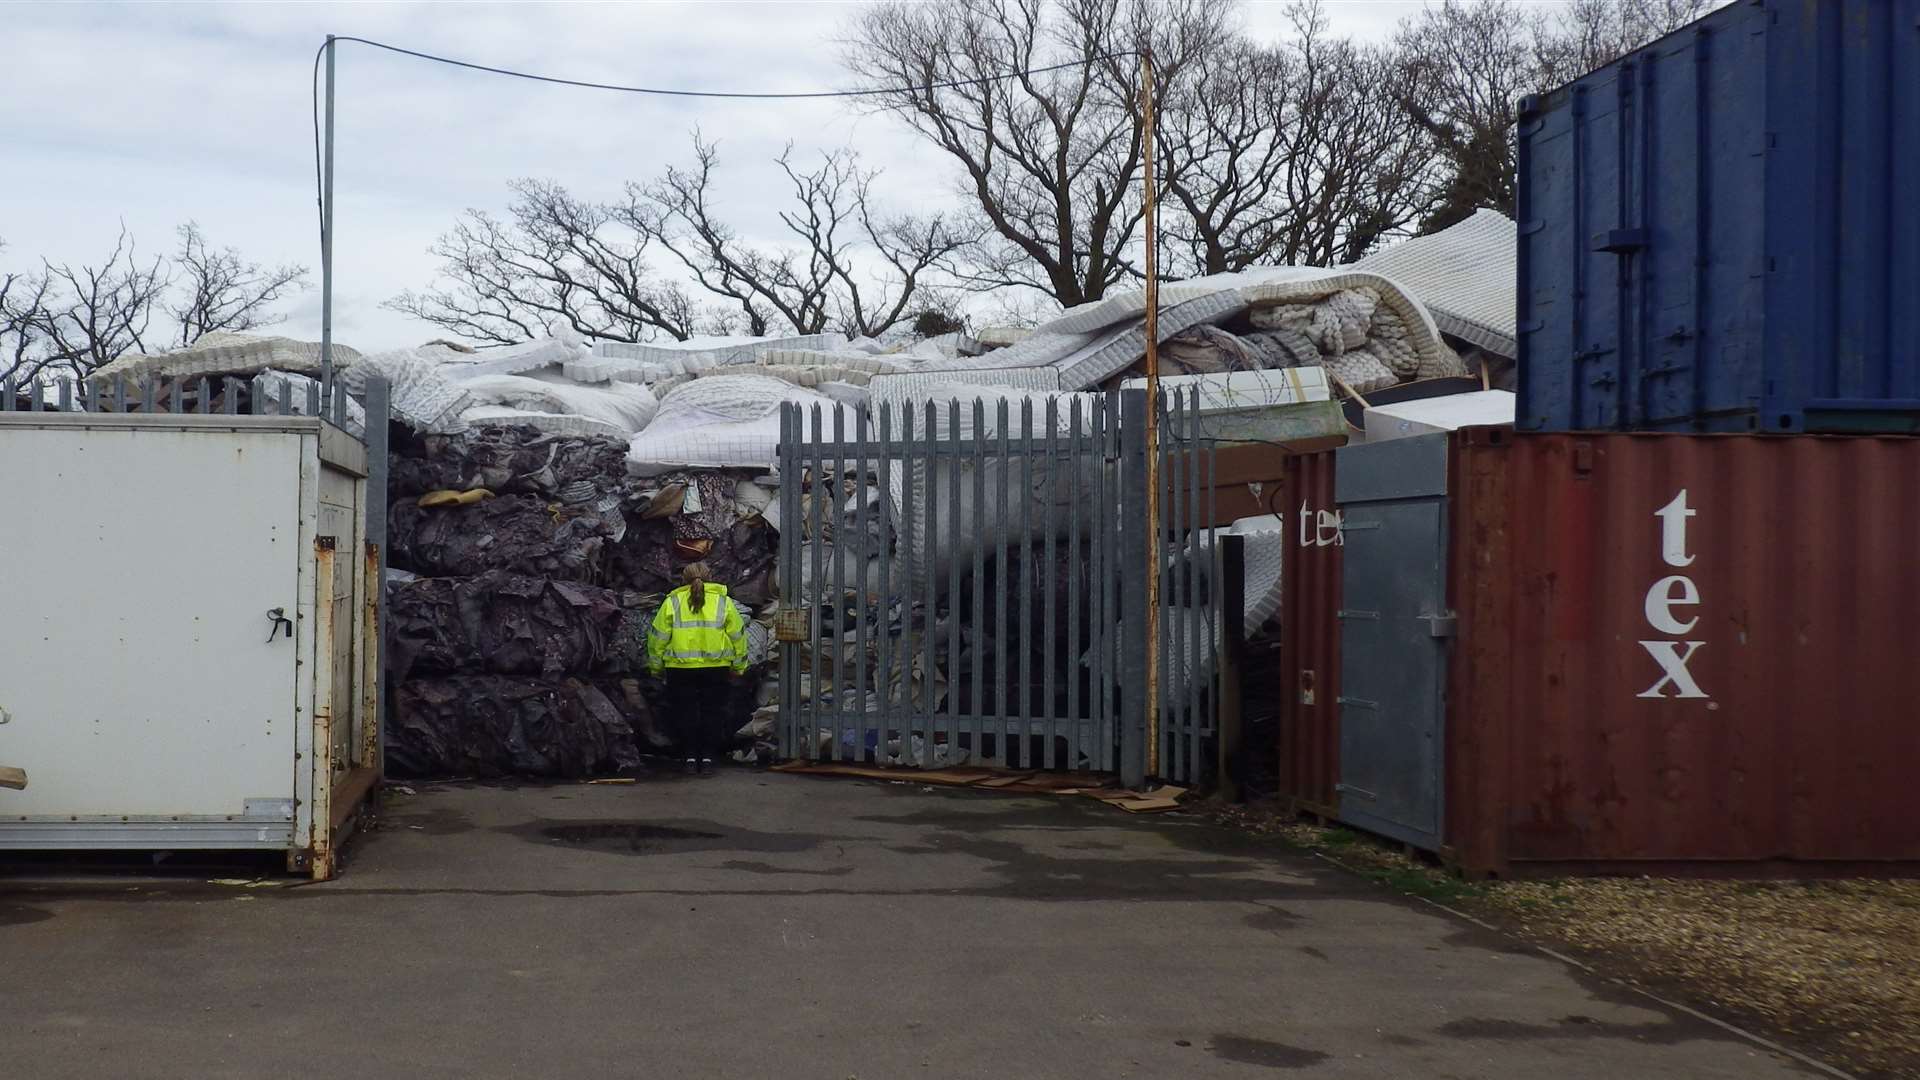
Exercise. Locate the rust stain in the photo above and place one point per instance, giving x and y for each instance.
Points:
(1694, 649)
(1684, 651)
(1310, 635)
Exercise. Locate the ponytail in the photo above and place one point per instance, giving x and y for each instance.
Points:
(696, 575)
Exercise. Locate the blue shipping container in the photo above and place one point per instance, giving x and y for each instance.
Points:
(1721, 231)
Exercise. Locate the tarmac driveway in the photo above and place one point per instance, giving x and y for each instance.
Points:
(759, 925)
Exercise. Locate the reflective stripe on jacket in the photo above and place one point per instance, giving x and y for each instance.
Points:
(714, 636)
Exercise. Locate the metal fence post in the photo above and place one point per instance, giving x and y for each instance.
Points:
(377, 408)
(1231, 576)
(1133, 588)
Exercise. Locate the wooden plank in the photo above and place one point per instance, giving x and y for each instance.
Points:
(11, 777)
(350, 790)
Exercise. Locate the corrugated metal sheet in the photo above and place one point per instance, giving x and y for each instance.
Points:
(1717, 231)
(1310, 637)
(1693, 649)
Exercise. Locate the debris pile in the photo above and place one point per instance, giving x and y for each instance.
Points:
(544, 496)
(526, 566)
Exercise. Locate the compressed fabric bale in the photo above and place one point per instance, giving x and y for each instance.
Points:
(507, 461)
(518, 533)
(501, 624)
(741, 557)
(502, 725)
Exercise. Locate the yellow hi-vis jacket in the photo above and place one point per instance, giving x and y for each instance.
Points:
(715, 636)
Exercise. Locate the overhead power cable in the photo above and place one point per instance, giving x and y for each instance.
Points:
(668, 92)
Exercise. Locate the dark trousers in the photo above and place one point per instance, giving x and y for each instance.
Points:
(698, 701)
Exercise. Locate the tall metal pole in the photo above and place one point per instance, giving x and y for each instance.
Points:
(326, 237)
(1153, 416)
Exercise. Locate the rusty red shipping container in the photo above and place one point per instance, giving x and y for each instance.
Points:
(1310, 637)
(1672, 653)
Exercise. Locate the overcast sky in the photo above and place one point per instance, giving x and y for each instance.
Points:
(154, 114)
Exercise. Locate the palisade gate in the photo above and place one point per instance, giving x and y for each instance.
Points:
(965, 582)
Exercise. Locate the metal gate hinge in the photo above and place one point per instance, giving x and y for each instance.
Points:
(1362, 702)
(1355, 613)
(1441, 626)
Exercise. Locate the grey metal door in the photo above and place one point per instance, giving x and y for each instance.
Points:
(1394, 627)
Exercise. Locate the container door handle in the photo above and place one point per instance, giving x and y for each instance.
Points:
(279, 620)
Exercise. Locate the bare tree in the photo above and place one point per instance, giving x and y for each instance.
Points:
(557, 258)
(1464, 68)
(1297, 153)
(63, 320)
(67, 320)
(1050, 159)
(1590, 33)
(850, 267)
(1466, 65)
(222, 290)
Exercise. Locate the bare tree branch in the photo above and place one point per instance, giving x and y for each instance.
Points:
(847, 266)
(1295, 154)
(1050, 162)
(223, 291)
(559, 259)
(64, 320)
(1466, 65)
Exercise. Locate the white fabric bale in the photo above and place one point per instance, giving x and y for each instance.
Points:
(723, 421)
(556, 350)
(420, 395)
(917, 384)
(1421, 335)
(850, 394)
(1464, 275)
(599, 369)
(701, 353)
(625, 408)
(225, 353)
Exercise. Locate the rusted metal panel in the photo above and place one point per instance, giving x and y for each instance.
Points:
(1309, 767)
(1683, 650)
(1247, 479)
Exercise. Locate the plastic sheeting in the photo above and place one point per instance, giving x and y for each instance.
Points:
(503, 725)
(499, 624)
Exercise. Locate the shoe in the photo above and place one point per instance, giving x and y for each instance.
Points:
(690, 767)
(706, 766)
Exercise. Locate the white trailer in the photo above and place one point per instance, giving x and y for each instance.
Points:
(189, 643)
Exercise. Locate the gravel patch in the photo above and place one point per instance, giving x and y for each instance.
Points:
(1830, 966)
